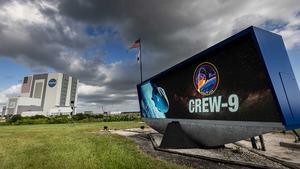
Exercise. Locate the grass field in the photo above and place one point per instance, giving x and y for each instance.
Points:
(72, 146)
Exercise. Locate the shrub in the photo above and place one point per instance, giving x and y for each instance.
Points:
(59, 119)
(38, 117)
(122, 117)
(81, 118)
(14, 118)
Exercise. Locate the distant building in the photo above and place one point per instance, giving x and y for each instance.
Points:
(88, 112)
(3, 110)
(130, 112)
(45, 94)
(114, 112)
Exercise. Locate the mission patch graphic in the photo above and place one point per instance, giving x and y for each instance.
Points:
(206, 78)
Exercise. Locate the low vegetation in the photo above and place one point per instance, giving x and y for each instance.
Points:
(78, 118)
(76, 146)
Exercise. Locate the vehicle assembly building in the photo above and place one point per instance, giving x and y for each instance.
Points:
(45, 94)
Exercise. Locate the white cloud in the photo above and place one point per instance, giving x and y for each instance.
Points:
(22, 11)
(291, 33)
(84, 89)
(13, 90)
(128, 105)
(232, 16)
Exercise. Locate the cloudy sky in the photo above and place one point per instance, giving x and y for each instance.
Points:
(88, 39)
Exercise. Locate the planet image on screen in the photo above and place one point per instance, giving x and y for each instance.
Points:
(206, 78)
(160, 99)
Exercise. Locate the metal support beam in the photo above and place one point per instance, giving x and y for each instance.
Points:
(253, 142)
(262, 143)
(297, 137)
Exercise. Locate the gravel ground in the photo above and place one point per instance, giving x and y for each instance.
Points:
(231, 152)
(143, 141)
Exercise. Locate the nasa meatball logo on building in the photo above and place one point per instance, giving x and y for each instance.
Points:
(52, 82)
(206, 78)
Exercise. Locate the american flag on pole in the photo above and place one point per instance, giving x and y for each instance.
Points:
(137, 44)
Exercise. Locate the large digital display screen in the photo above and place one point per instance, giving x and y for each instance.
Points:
(227, 83)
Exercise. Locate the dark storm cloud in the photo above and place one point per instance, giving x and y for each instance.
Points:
(173, 31)
(170, 31)
(155, 22)
(157, 25)
(107, 99)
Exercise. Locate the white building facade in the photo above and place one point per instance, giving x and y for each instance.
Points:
(45, 94)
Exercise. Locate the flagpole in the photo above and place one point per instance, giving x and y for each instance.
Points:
(141, 64)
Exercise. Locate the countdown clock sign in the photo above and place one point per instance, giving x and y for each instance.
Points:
(241, 87)
(226, 83)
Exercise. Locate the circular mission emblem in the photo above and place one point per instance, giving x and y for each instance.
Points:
(206, 78)
(52, 82)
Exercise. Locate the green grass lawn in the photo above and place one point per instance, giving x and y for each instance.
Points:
(62, 146)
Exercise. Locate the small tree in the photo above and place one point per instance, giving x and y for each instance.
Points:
(14, 118)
